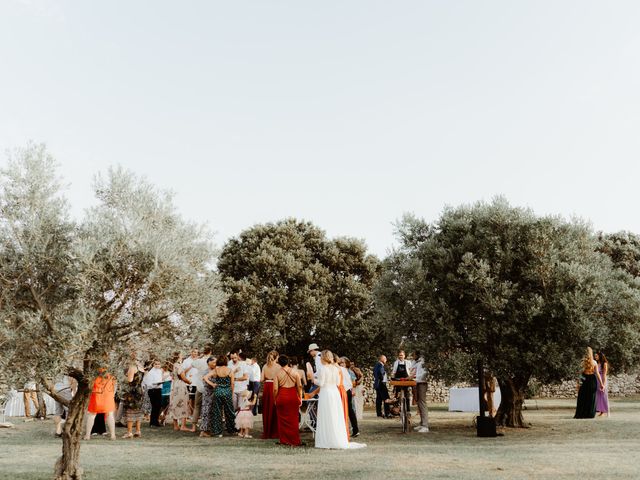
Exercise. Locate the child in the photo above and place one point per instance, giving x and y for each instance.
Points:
(244, 417)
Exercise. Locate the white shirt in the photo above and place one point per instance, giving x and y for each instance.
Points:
(420, 371)
(346, 379)
(191, 374)
(199, 369)
(240, 369)
(153, 378)
(318, 362)
(256, 373)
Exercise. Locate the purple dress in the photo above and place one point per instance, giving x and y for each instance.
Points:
(602, 398)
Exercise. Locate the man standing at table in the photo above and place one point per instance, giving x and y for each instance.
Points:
(380, 385)
(419, 372)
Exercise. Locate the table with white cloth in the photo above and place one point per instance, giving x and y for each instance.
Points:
(14, 405)
(466, 399)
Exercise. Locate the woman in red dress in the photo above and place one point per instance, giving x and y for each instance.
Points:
(269, 373)
(288, 393)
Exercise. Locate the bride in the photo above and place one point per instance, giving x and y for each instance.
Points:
(331, 430)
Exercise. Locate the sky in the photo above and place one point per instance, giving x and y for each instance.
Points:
(344, 113)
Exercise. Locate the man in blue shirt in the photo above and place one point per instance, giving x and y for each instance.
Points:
(380, 385)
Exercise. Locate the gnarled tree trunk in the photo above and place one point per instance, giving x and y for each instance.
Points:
(68, 465)
(42, 407)
(512, 392)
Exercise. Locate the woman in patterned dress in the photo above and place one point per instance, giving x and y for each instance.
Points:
(222, 382)
(179, 410)
(206, 415)
(132, 400)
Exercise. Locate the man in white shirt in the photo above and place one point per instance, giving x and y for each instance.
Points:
(153, 381)
(419, 372)
(199, 369)
(254, 383)
(29, 396)
(313, 369)
(241, 372)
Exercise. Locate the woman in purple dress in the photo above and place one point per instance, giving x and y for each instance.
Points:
(602, 394)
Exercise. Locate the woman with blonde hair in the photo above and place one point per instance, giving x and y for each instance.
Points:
(587, 386)
(331, 430)
(269, 416)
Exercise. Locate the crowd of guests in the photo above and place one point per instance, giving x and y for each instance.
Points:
(216, 394)
(593, 396)
(213, 394)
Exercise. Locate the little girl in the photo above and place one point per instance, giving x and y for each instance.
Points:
(244, 417)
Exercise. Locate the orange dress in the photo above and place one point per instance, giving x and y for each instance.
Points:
(102, 398)
(345, 408)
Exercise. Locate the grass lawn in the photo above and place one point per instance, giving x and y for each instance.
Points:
(556, 446)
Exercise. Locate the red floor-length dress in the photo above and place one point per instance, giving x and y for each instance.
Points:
(345, 408)
(288, 407)
(269, 415)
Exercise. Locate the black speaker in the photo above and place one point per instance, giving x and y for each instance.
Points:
(486, 427)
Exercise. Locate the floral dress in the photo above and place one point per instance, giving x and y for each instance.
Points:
(132, 399)
(206, 413)
(179, 402)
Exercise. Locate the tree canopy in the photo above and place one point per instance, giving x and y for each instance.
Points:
(525, 294)
(72, 294)
(288, 285)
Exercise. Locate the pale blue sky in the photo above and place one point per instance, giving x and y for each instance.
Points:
(345, 113)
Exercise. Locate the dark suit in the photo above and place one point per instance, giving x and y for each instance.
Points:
(380, 386)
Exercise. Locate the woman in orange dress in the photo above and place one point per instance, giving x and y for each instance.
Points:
(102, 400)
(343, 395)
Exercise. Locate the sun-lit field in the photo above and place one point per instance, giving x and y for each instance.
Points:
(556, 446)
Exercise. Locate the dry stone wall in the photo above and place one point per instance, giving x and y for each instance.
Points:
(623, 385)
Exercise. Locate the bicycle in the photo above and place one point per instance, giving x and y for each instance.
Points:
(405, 416)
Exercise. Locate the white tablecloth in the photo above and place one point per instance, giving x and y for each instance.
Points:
(15, 405)
(466, 399)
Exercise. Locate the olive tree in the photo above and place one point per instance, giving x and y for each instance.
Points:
(287, 284)
(133, 269)
(524, 294)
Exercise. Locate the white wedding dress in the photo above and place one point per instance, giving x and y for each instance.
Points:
(331, 431)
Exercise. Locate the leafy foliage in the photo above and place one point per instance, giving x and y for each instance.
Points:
(525, 294)
(287, 285)
(74, 296)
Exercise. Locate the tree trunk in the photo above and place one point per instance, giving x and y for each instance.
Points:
(68, 465)
(42, 407)
(512, 391)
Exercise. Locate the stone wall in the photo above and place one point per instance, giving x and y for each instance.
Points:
(622, 385)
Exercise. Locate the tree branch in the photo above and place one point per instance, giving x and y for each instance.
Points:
(52, 392)
(41, 307)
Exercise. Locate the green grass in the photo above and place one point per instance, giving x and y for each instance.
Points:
(556, 446)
